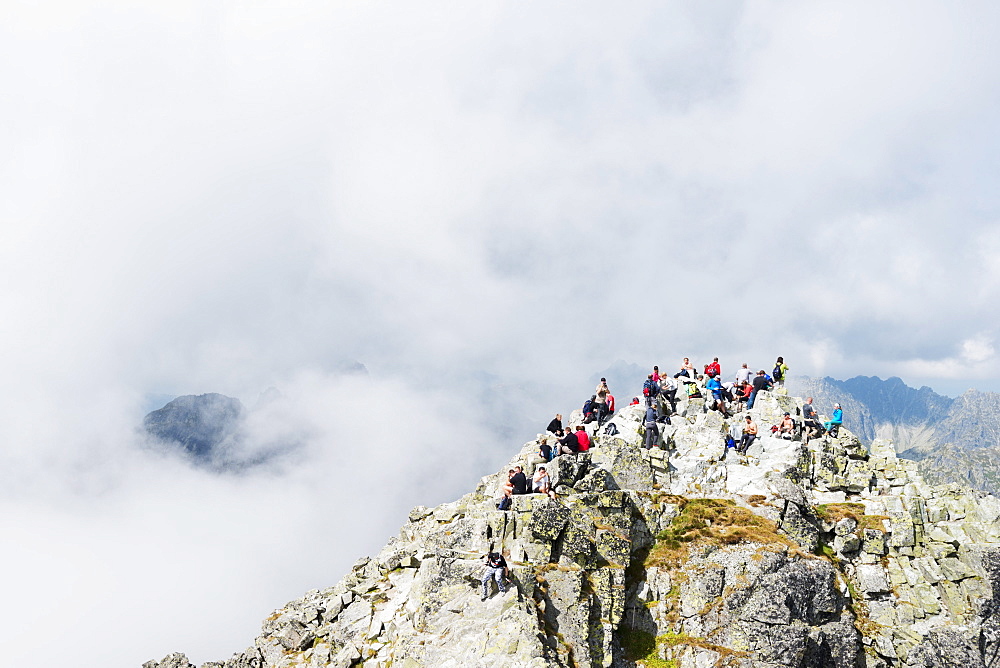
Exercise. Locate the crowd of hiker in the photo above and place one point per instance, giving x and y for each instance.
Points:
(660, 393)
(660, 398)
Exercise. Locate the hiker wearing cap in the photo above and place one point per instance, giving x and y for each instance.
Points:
(833, 426)
(749, 435)
(786, 428)
(496, 569)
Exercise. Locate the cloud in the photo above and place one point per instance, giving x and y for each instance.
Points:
(484, 204)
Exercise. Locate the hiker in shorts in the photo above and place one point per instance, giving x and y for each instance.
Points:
(749, 436)
(780, 372)
(496, 569)
(786, 428)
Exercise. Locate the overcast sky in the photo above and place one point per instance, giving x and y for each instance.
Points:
(484, 203)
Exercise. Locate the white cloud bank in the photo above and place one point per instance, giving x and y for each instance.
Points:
(227, 196)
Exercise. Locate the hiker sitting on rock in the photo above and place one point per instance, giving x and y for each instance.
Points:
(541, 483)
(544, 449)
(506, 489)
(555, 427)
(583, 439)
(786, 428)
(518, 481)
(496, 569)
(833, 426)
(810, 420)
(749, 435)
(686, 369)
(569, 444)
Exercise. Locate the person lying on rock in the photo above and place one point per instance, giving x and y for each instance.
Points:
(496, 569)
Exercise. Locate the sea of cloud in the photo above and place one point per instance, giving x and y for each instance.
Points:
(485, 204)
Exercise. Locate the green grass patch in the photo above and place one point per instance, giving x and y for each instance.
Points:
(714, 522)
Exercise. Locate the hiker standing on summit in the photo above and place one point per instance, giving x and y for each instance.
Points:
(779, 373)
(601, 400)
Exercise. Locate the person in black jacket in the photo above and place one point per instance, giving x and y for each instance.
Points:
(496, 568)
(569, 444)
(519, 481)
(760, 382)
(555, 427)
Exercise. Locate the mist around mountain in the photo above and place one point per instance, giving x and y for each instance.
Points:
(216, 432)
(953, 439)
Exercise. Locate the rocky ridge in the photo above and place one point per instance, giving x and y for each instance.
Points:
(819, 553)
(954, 440)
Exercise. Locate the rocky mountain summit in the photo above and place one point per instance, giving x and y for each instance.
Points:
(819, 553)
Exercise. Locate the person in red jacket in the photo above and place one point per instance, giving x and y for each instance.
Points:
(712, 370)
(583, 437)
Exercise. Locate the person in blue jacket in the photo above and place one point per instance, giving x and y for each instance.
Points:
(833, 425)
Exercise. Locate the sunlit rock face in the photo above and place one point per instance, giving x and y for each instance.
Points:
(804, 553)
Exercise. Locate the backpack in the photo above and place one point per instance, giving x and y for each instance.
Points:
(611, 429)
(647, 388)
(504, 503)
(777, 372)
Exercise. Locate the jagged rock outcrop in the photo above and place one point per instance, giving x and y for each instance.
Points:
(819, 553)
(955, 440)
